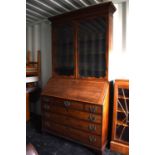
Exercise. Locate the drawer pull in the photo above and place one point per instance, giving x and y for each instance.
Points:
(92, 118)
(92, 127)
(67, 103)
(92, 139)
(93, 109)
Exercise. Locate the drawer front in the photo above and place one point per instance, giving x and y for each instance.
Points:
(74, 123)
(47, 107)
(93, 108)
(63, 103)
(76, 135)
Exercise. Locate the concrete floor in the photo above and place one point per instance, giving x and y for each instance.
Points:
(47, 144)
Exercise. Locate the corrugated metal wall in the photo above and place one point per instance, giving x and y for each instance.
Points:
(39, 38)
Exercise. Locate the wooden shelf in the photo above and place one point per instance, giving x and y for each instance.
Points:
(121, 123)
(122, 141)
(122, 97)
(119, 110)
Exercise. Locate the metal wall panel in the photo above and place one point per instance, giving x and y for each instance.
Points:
(38, 10)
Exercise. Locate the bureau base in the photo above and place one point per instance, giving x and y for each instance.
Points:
(78, 111)
(95, 150)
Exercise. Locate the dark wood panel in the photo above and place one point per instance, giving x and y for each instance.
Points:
(76, 90)
(74, 123)
(27, 107)
(73, 113)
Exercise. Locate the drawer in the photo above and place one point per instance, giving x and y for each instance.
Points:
(93, 108)
(74, 123)
(63, 103)
(73, 113)
(74, 134)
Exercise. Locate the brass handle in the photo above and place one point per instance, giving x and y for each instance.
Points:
(92, 127)
(91, 118)
(92, 139)
(93, 109)
(67, 103)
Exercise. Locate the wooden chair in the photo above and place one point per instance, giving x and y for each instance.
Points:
(33, 72)
(33, 68)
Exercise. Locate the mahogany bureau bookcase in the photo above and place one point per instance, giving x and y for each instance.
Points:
(75, 101)
(120, 130)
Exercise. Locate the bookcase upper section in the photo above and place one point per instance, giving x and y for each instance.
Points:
(81, 41)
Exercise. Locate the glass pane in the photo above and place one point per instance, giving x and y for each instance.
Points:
(125, 91)
(122, 133)
(91, 48)
(122, 118)
(124, 104)
(64, 51)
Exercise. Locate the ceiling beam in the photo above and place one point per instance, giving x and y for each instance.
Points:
(84, 3)
(56, 3)
(70, 3)
(31, 20)
(96, 1)
(34, 12)
(39, 9)
(40, 21)
(32, 16)
(47, 6)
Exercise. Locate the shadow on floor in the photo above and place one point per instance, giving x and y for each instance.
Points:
(47, 144)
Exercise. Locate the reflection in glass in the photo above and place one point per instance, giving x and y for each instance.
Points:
(91, 48)
(122, 127)
(123, 91)
(122, 133)
(64, 51)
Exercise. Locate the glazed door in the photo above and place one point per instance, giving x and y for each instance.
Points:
(63, 50)
(92, 48)
(122, 115)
